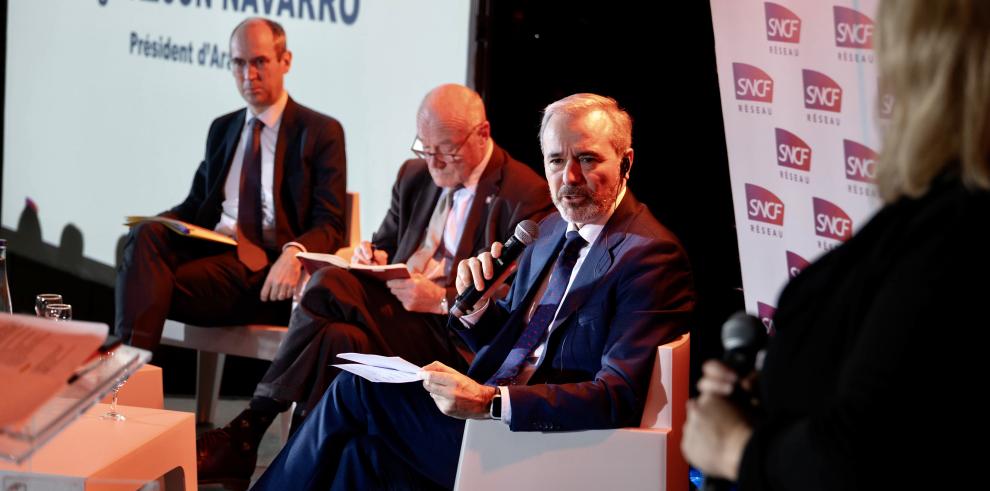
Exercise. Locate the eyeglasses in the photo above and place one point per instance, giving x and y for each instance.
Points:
(418, 149)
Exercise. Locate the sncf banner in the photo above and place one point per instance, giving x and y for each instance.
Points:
(803, 114)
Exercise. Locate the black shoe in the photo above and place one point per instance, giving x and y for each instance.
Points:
(225, 457)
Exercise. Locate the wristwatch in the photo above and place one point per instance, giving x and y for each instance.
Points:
(495, 407)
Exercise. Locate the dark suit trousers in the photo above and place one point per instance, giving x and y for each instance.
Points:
(341, 312)
(165, 275)
(364, 435)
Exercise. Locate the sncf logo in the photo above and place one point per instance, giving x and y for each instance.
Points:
(751, 83)
(782, 25)
(852, 29)
(861, 162)
(830, 221)
(766, 313)
(792, 151)
(763, 206)
(795, 264)
(821, 92)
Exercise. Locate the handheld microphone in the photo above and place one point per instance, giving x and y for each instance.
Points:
(743, 336)
(526, 232)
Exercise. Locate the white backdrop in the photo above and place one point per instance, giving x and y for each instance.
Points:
(802, 117)
(95, 129)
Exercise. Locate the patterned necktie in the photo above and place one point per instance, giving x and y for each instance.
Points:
(249, 249)
(545, 311)
(434, 233)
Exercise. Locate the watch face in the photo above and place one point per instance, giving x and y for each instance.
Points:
(496, 409)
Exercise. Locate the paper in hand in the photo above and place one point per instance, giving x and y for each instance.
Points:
(376, 368)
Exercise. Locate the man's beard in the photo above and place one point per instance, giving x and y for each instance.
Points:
(590, 209)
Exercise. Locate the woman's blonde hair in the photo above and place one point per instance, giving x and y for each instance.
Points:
(934, 59)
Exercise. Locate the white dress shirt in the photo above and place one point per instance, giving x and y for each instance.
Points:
(453, 228)
(272, 117)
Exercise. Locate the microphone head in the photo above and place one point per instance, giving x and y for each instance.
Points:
(527, 231)
(743, 336)
(742, 330)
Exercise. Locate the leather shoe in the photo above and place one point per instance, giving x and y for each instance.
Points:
(225, 457)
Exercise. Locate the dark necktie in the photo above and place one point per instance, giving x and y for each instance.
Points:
(560, 275)
(249, 249)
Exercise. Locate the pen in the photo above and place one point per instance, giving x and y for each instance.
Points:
(373, 249)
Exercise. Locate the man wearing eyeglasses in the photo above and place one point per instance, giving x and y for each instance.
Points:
(459, 195)
(273, 178)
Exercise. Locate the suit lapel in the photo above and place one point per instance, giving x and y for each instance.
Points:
(287, 132)
(472, 237)
(544, 251)
(423, 204)
(230, 139)
(599, 259)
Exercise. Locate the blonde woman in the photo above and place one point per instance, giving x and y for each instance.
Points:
(872, 379)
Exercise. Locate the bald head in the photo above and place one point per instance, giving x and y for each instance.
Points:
(277, 32)
(451, 125)
(452, 105)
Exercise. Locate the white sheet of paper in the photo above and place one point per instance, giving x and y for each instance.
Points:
(379, 374)
(377, 368)
(393, 362)
(37, 356)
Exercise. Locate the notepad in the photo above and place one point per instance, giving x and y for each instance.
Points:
(182, 228)
(314, 261)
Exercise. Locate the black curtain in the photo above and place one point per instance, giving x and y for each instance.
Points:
(658, 61)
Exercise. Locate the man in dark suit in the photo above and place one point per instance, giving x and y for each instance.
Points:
(462, 193)
(570, 348)
(273, 177)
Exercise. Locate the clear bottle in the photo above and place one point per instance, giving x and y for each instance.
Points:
(6, 307)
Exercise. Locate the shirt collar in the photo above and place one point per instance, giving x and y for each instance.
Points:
(590, 231)
(471, 185)
(272, 117)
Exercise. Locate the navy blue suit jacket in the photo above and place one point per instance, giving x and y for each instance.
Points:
(633, 293)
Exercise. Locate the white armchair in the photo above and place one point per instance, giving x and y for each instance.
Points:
(648, 457)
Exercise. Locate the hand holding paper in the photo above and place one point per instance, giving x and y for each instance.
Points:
(456, 394)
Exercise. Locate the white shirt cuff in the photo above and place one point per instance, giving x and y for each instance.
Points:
(300, 246)
(506, 407)
(471, 319)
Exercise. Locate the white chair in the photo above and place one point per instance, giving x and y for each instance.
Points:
(252, 341)
(648, 457)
